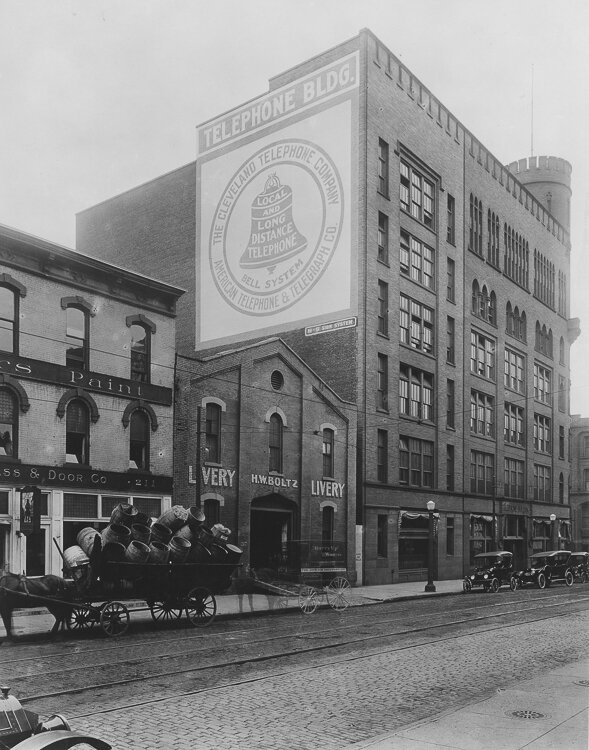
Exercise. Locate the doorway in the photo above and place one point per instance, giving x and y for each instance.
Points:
(272, 522)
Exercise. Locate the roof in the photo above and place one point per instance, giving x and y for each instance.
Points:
(499, 553)
(552, 553)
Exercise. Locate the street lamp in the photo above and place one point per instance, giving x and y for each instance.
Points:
(553, 536)
(429, 586)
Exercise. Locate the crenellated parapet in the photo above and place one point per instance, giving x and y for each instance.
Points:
(542, 169)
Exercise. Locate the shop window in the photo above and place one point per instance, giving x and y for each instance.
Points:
(213, 433)
(413, 540)
(382, 536)
(140, 353)
(8, 424)
(541, 540)
(327, 449)
(275, 440)
(481, 535)
(9, 304)
(151, 506)
(3, 506)
(139, 441)
(80, 505)
(77, 332)
(77, 437)
(327, 524)
(109, 503)
(212, 511)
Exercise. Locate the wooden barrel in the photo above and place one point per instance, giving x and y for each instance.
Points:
(219, 553)
(196, 517)
(75, 557)
(174, 518)
(123, 514)
(179, 549)
(199, 553)
(137, 552)
(141, 533)
(186, 532)
(158, 553)
(86, 538)
(205, 536)
(142, 518)
(116, 532)
(160, 533)
(233, 554)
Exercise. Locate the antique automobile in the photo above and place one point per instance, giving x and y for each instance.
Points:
(546, 568)
(579, 565)
(21, 729)
(492, 570)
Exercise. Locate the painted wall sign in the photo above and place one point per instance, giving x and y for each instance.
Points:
(84, 478)
(322, 488)
(47, 372)
(273, 481)
(275, 209)
(217, 477)
(335, 325)
(515, 508)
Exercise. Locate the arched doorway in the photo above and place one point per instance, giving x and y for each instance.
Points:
(273, 520)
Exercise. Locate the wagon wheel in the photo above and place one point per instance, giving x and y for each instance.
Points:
(80, 618)
(201, 607)
(281, 593)
(114, 618)
(308, 599)
(165, 612)
(467, 586)
(338, 591)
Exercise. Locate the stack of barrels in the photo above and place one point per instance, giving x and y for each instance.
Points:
(179, 535)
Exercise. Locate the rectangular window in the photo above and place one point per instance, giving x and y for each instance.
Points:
(542, 483)
(513, 425)
(382, 455)
(450, 468)
(451, 229)
(327, 451)
(450, 536)
(451, 283)
(383, 308)
(416, 393)
(561, 442)
(383, 238)
(382, 382)
(381, 535)
(482, 414)
(213, 433)
(416, 322)
(383, 167)
(450, 406)
(514, 478)
(450, 344)
(482, 355)
(416, 462)
(481, 535)
(542, 434)
(80, 505)
(542, 384)
(417, 260)
(514, 372)
(562, 394)
(417, 195)
(482, 472)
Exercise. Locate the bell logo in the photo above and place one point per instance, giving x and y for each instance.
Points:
(276, 227)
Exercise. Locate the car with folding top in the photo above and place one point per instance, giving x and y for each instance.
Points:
(579, 565)
(545, 569)
(491, 571)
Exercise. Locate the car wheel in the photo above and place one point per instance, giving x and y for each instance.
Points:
(583, 577)
(466, 586)
(541, 580)
(494, 586)
(568, 578)
(514, 583)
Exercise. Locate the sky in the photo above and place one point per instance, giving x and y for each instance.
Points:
(98, 96)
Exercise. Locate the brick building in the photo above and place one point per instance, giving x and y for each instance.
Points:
(579, 498)
(86, 396)
(349, 202)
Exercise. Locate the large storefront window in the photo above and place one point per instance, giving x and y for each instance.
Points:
(413, 540)
(481, 535)
(541, 540)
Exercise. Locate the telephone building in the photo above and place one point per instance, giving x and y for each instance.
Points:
(348, 212)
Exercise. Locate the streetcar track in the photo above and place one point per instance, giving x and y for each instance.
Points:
(310, 649)
(311, 667)
(195, 637)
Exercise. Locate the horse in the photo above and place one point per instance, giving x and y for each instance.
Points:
(48, 587)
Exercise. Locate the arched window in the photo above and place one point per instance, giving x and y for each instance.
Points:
(275, 443)
(8, 320)
(77, 433)
(523, 327)
(212, 511)
(562, 351)
(328, 458)
(8, 424)
(476, 293)
(139, 441)
(509, 316)
(327, 524)
(213, 433)
(76, 354)
(484, 303)
(140, 353)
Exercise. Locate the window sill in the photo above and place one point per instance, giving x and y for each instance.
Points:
(67, 465)
(138, 471)
(10, 460)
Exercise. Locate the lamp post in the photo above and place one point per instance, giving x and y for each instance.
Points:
(553, 535)
(429, 586)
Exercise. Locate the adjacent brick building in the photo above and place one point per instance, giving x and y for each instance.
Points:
(349, 212)
(579, 498)
(87, 364)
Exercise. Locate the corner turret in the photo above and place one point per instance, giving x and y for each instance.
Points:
(548, 178)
